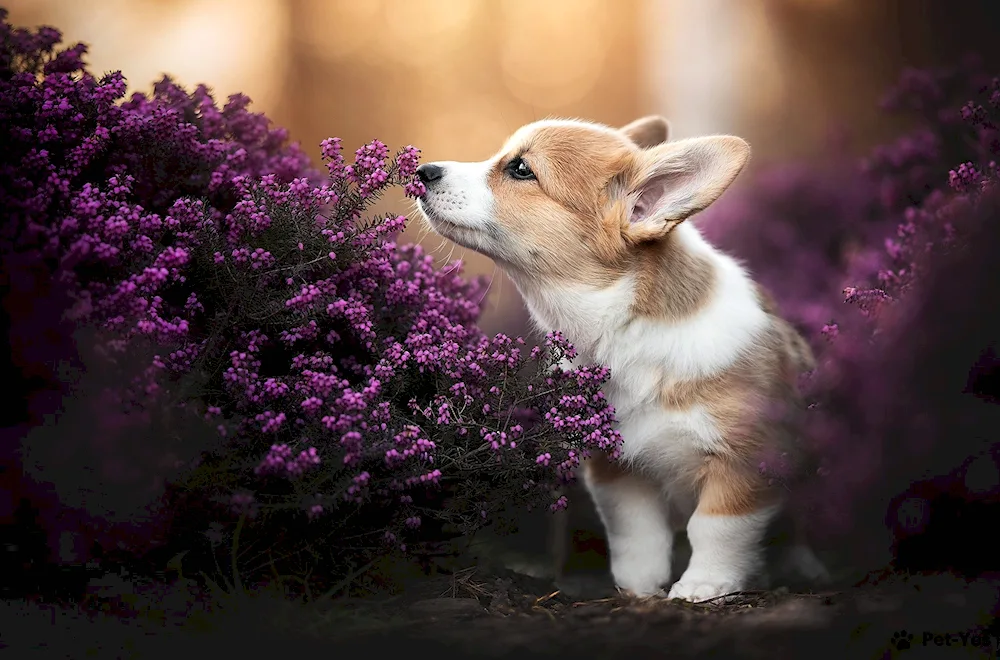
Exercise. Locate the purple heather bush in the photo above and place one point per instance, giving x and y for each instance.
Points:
(862, 395)
(803, 228)
(848, 250)
(257, 336)
(800, 227)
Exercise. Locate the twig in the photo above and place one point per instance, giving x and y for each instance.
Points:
(237, 583)
(346, 582)
(730, 594)
(581, 603)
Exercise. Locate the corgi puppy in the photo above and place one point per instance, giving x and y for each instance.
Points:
(591, 224)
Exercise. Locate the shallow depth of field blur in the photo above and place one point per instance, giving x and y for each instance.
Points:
(456, 77)
(801, 80)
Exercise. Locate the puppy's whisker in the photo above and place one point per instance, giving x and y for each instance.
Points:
(488, 286)
(499, 296)
(422, 230)
(440, 246)
(448, 262)
(423, 227)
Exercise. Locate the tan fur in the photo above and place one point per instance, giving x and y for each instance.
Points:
(730, 488)
(797, 346)
(573, 166)
(794, 343)
(647, 131)
(687, 290)
(601, 469)
(754, 405)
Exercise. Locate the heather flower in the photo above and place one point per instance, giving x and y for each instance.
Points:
(230, 285)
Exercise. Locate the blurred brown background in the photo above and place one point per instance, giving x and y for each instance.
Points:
(455, 77)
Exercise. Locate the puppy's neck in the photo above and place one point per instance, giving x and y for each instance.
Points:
(667, 282)
(676, 276)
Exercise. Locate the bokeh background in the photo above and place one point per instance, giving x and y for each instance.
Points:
(455, 77)
(800, 79)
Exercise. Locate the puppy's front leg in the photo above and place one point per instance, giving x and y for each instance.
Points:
(636, 523)
(726, 531)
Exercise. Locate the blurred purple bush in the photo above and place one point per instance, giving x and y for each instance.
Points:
(249, 335)
(871, 235)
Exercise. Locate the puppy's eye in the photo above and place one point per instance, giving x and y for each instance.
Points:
(519, 169)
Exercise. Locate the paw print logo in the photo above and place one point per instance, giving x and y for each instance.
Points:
(902, 640)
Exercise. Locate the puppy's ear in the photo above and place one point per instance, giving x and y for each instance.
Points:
(668, 183)
(648, 131)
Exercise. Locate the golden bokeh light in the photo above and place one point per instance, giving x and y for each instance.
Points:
(339, 29)
(421, 33)
(552, 53)
(220, 43)
(759, 60)
(473, 131)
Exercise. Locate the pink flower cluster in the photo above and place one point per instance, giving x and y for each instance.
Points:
(280, 460)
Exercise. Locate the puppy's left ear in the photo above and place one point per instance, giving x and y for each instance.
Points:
(667, 184)
(648, 131)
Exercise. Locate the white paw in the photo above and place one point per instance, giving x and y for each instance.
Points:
(659, 593)
(696, 588)
(640, 581)
(644, 591)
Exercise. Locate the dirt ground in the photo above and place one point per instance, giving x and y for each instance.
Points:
(502, 614)
(502, 599)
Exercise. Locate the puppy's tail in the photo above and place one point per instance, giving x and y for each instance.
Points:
(796, 346)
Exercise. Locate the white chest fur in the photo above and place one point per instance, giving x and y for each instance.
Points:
(645, 353)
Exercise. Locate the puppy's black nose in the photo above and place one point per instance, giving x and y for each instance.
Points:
(429, 173)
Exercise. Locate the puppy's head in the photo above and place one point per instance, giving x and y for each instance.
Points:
(568, 200)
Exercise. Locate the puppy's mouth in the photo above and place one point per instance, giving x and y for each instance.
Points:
(438, 220)
(479, 239)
